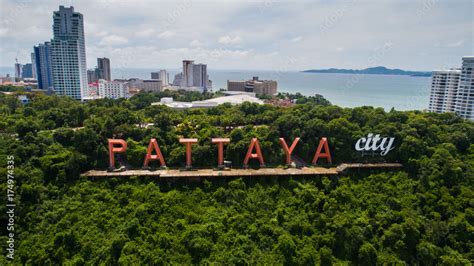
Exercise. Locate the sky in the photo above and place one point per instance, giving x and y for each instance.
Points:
(253, 35)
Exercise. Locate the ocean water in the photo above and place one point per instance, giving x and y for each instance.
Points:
(346, 90)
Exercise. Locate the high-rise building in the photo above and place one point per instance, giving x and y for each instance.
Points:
(188, 72)
(164, 77)
(155, 75)
(17, 72)
(465, 94)
(68, 53)
(444, 86)
(27, 71)
(103, 68)
(92, 75)
(44, 71)
(193, 75)
(199, 76)
(33, 64)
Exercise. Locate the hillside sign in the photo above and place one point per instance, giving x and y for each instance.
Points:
(365, 144)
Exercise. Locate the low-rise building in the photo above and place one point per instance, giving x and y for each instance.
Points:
(232, 99)
(255, 85)
(112, 89)
(149, 85)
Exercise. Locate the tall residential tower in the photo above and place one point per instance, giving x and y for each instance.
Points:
(43, 66)
(453, 90)
(465, 94)
(444, 86)
(103, 68)
(68, 53)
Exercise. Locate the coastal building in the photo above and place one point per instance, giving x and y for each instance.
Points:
(27, 71)
(155, 75)
(453, 90)
(255, 85)
(444, 87)
(33, 64)
(44, 70)
(17, 72)
(193, 76)
(232, 99)
(148, 85)
(68, 53)
(161, 75)
(6, 80)
(92, 75)
(464, 106)
(103, 68)
(112, 89)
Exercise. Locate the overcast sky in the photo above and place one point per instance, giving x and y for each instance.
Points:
(266, 34)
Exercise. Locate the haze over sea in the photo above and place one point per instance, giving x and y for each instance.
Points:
(346, 90)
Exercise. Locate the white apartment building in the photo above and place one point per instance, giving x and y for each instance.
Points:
(164, 77)
(453, 90)
(444, 86)
(465, 95)
(68, 53)
(112, 89)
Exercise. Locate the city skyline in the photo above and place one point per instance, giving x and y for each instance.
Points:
(254, 34)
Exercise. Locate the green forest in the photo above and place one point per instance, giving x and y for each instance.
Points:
(421, 214)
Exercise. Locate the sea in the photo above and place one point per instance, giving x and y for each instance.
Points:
(346, 90)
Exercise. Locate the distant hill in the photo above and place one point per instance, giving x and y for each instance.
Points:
(380, 70)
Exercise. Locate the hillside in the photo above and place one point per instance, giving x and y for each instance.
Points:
(380, 70)
(422, 214)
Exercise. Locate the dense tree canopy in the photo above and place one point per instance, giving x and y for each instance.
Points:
(421, 214)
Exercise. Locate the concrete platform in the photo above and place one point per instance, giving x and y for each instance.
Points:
(200, 173)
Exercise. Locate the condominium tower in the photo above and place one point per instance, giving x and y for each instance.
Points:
(465, 94)
(453, 90)
(444, 86)
(43, 66)
(103, 68)
(68, 53)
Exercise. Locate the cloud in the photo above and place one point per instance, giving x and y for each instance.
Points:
(195, 43)
(113, 40)
(455, 44)
(166, 34)
(254, 34)
(228, 40)
(145, 33)
(297, 39)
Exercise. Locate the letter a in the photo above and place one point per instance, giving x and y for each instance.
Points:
(323, 143)
(258, 155)
(288, 151)
(150, 157)
(113, 149)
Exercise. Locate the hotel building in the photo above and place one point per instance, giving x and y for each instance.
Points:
(465, 95)
(255, 85)
(453, 90)
(112, 89)
(43, 66)
(444, 86)
(68, 53)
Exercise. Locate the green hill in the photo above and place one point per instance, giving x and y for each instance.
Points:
(420, 215)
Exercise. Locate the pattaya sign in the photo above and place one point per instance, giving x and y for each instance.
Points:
(254, 151)
(373, 143)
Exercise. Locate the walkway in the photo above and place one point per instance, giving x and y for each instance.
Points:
(200, 173)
